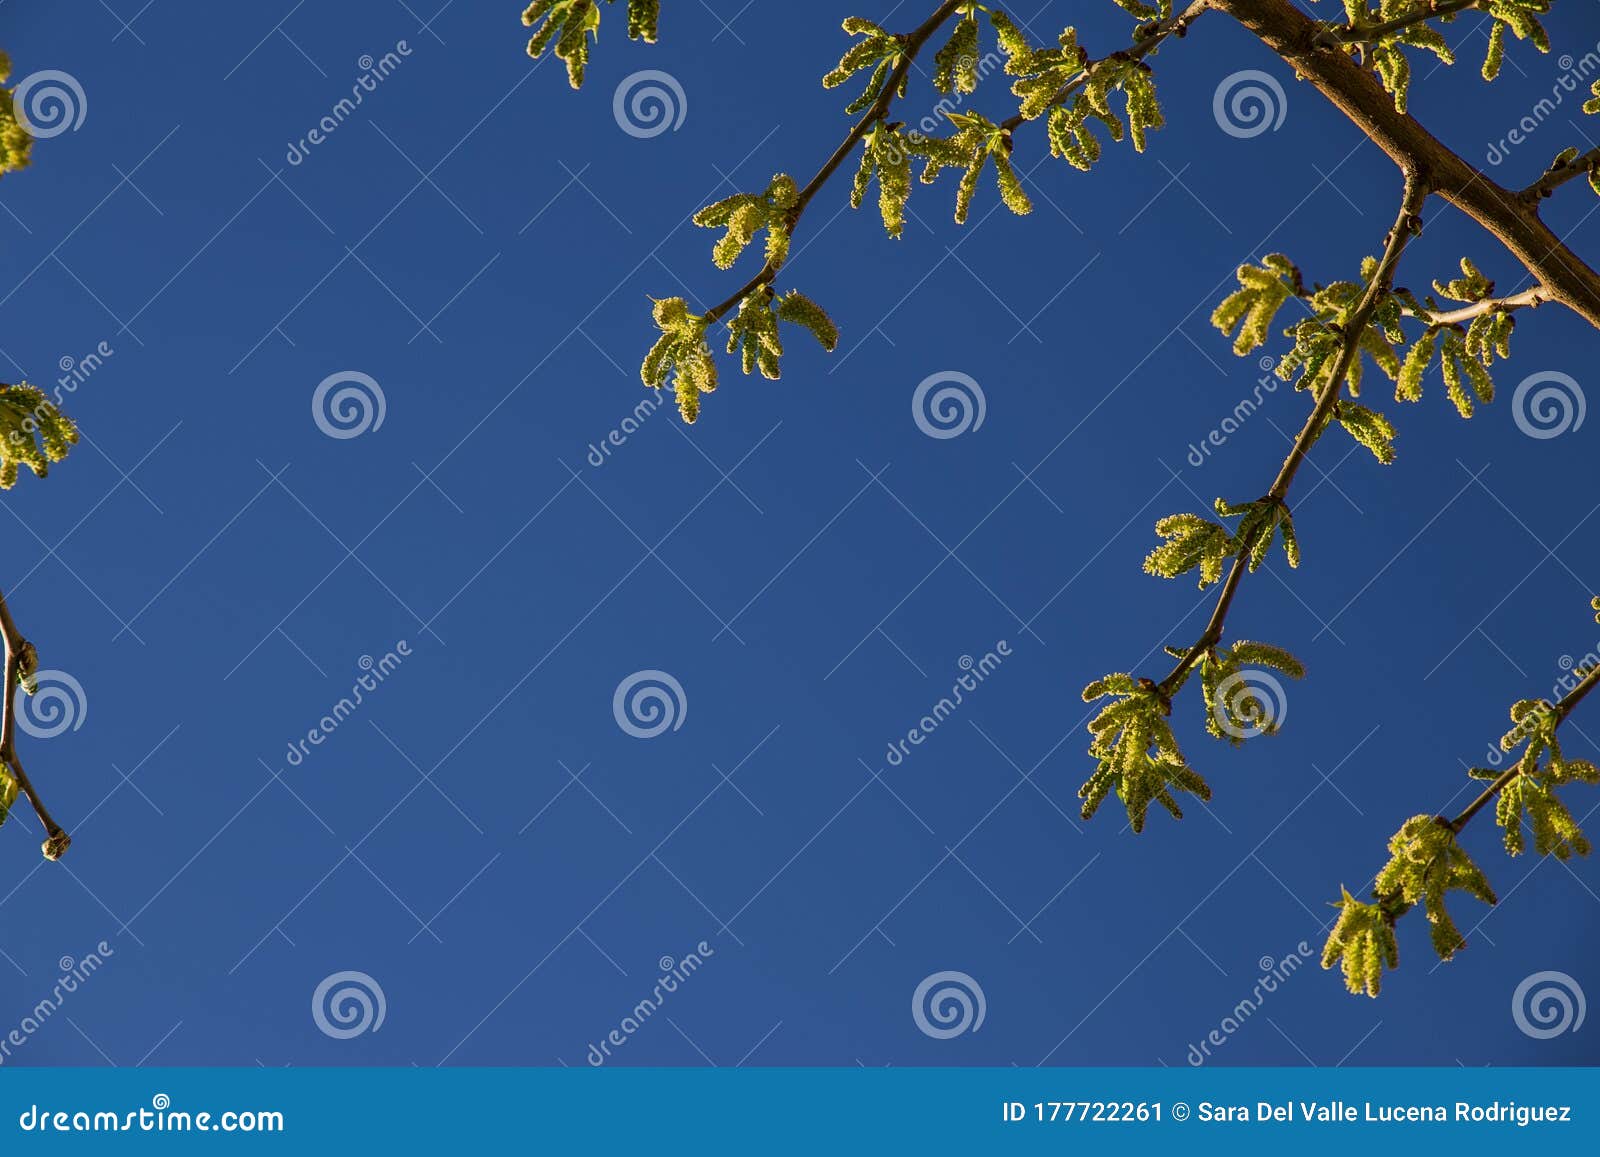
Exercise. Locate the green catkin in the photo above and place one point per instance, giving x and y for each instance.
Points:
(33, 432)
(16, 143)
(1362, 943)
(955, 66)
(574, 25)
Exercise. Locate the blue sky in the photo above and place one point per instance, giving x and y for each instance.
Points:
(480, 837)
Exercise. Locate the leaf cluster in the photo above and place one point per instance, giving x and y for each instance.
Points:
(753, 330)
(880, 51)
(16, 143)
(1426, 863)
(682, 353)
(1363, 944)
(1193, 541)
(1463, 353)
(1137, 752)
(572, 24)
(33, 432)
(1528, 801)
(744, 215)
(1235, 708)
(976, 144)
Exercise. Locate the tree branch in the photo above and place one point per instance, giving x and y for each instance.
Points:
(1368, 33)
(912, 44)
(18, 651)
(1356, 93)
(1559, 175)
(1562, 709)
(1406, 226)
(1527, 299)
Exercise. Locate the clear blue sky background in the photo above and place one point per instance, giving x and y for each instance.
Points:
(211, 568)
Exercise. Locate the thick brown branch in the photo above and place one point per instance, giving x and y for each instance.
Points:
(18, 649)
(1356, 93)
(912, 44)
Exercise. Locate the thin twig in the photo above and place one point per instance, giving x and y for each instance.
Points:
(1360, 33)
(911, 45)
(1559, 175)
(1406, 226)
(1527, 299)
(1561, 710)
